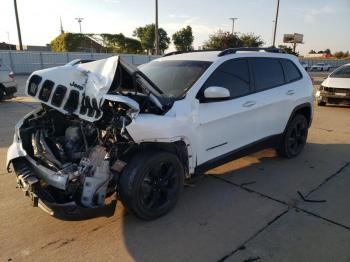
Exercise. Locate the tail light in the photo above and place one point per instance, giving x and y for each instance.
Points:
(12, 75)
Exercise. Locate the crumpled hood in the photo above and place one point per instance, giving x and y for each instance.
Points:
(80, 89)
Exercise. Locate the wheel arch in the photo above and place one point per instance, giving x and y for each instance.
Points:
(180, 148)
(304, 109)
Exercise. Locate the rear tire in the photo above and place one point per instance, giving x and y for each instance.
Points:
(294, 138)
(151, 184)
(2, 92)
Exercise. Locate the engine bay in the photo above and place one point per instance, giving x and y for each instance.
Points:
(77, 143)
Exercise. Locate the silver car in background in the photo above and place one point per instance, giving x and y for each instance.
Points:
(320, 67)
(8, 85)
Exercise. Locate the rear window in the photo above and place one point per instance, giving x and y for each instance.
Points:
(291, 72)
(268, 73)
(342, 72)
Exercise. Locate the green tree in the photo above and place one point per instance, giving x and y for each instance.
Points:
(118, 43)
(312, 51)
(251, 40)
(288, 50)
(183, 39)
(327, 51)
(146, 35)
(67, 42)
(222, 40)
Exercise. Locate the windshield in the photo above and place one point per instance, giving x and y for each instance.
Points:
(174, 78)
(342, 72)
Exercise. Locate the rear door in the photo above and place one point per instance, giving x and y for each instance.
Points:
(275, 87)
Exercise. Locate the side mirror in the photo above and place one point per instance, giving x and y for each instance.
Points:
(216, 93)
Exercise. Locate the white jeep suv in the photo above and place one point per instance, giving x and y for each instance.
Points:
(108, 129)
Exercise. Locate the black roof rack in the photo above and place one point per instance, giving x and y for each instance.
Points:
(230, 51)
(192, 51)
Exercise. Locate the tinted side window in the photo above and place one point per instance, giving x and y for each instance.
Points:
(268, 73)
(291, 72)
(233, 75)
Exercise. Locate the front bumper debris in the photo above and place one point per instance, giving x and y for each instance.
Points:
(332, 97)
(30, 185)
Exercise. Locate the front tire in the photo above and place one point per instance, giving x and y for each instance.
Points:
(294, 138)
(151, 184)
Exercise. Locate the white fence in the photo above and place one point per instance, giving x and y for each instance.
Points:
(334, 63)
(25, 62)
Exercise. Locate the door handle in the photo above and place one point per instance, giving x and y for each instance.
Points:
(249, 103)
(290, 92)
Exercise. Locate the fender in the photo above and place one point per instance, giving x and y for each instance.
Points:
(297, 108)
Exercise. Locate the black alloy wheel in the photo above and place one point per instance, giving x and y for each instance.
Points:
(295, 137)
(151, 183)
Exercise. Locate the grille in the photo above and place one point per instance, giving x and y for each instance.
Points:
(337, 90)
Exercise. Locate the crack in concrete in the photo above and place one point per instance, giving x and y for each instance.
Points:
(254, 235)
(279, 215)
(328, 179)
(242, 186)
(323, 218)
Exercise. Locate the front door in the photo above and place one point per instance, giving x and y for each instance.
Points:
(226, 125)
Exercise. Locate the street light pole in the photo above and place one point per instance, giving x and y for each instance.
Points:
(156, 31)
(18, 27)
(276, 20)
(8, 39)
(79, 19)
(233, 24)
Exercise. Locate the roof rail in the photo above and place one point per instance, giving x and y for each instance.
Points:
(230, 51)
(192, 51)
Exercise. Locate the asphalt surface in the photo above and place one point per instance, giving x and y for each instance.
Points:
(251, 209)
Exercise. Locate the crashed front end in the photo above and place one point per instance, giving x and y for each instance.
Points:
(68, 154)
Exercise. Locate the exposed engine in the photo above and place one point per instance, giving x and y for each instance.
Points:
(77, 145)
(82, 159)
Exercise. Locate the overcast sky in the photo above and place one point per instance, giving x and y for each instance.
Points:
(324, 23)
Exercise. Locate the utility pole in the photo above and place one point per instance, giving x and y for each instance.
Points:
(156, 31)
(233, 24)
(79, 19)
(61, 27)
(276, 20)
(18, 27)
(273, 26)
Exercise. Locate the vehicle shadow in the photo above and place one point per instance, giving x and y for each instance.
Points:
(182, 234)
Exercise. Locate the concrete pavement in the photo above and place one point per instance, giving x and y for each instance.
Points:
(246, 210)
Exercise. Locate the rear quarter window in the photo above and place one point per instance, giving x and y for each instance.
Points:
(291, 72)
